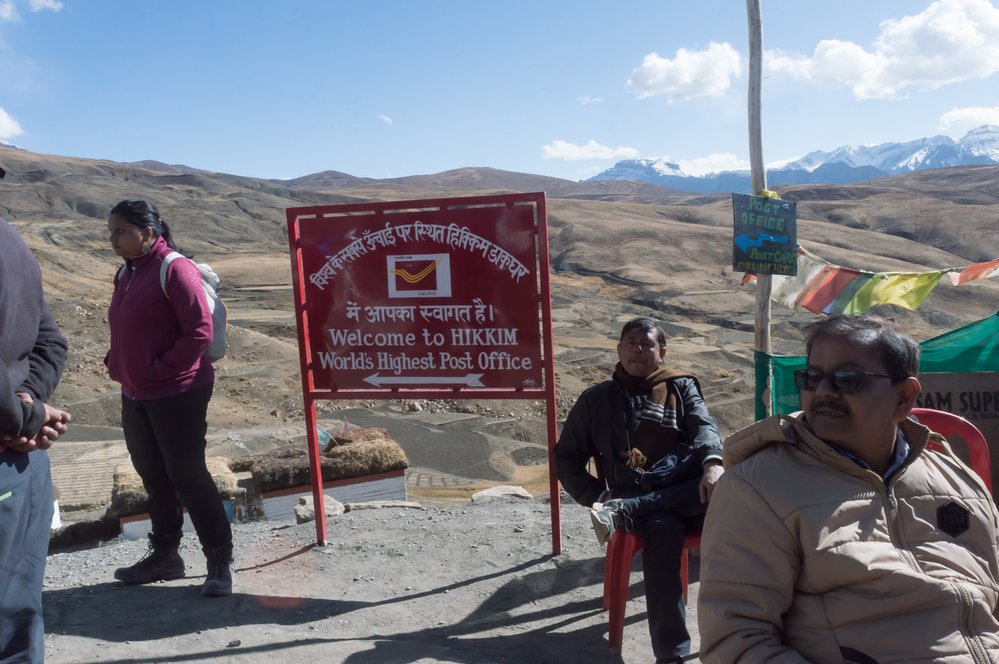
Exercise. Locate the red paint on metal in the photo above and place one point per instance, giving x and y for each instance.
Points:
(446, 298)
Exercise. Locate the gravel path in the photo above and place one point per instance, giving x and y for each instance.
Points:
(471, 584)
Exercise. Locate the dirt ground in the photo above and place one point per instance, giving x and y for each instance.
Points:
(473, 583)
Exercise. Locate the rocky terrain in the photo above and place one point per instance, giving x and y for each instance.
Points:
(618, 250)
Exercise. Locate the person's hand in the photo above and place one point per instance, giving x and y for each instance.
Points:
(21, 444)
(25, 397)
(712, 472)
(56, 423)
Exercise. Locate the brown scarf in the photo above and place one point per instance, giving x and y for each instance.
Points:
(658, 431)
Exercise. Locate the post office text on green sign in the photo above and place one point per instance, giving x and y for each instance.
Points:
(762, 213)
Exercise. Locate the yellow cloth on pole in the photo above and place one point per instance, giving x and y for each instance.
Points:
(904, 289)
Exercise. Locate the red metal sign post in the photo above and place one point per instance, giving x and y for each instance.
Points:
(446, 298)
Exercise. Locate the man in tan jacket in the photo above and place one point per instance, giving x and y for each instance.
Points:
(837, 536)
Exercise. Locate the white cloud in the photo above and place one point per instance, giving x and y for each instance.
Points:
(384, 118)
(8, 12)
(9, 127)
(590, 150)
(713, 163)
(39, 5)
(587, 100)
(949, 42)
(959, 121)
(690, 74)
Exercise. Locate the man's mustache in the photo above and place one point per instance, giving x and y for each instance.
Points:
(830, 405)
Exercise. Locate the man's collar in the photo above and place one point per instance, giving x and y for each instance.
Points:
(900, 453)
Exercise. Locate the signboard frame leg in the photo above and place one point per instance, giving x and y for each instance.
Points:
(315, 469)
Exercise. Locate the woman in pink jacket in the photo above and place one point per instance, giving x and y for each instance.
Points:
(159, 335)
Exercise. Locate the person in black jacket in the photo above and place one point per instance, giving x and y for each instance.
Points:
(660, 451)
(32, 357)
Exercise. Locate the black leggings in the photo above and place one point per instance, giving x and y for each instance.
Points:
(166, 438)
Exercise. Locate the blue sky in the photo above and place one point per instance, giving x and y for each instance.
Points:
(388, 88)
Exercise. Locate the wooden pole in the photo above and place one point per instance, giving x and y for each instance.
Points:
(759, 183)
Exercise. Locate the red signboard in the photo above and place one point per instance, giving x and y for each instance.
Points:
(424, 298)
(440, 297)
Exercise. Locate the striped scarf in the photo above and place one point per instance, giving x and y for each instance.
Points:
(658, 432)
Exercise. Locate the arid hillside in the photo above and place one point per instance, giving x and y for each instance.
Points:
(617, 250)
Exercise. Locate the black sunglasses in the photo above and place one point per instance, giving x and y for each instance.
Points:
(844, 382)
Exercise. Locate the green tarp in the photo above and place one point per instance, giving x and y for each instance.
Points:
(968, 349)
(971, 348)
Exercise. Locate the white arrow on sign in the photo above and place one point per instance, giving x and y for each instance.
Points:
(471, 380)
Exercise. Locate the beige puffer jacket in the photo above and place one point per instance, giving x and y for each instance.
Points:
(807, 557)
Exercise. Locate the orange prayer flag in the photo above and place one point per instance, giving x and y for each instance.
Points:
(977, 271)
(825, 288)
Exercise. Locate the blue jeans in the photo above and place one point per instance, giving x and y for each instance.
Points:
(682, 499)
(25, 526)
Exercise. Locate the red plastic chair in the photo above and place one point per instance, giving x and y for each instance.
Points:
(621, 551)
(948, 424)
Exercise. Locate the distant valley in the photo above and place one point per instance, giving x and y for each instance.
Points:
(618, 249)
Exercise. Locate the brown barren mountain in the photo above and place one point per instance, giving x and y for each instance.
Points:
(618, 249)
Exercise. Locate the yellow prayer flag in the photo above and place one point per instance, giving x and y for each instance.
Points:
(905, 290)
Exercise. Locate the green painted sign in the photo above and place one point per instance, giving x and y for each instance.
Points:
(765, 238)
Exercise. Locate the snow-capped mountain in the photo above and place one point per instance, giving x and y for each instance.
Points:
(642, 169)
(851, 163)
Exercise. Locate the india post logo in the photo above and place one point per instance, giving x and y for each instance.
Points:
(423, 275)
